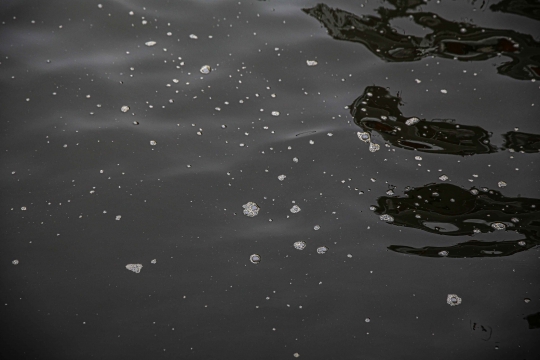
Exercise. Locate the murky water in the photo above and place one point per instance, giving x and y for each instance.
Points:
(398, 138)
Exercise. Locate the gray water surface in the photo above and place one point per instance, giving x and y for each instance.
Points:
(85, 193)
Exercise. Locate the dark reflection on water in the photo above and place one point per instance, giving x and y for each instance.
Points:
(377, 110)
(519, 141)
(449, 39)
(533, 320)
(528, 8)
(468, 249)
(447, 209)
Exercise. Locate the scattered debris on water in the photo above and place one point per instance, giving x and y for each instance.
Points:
(255, 258)
(364, 136)
(206, 69)
(387, 218)
(322, 250)
(251, 209)
(498, 226)
(412, 121)
(295, 209)
(136, 268)
(453, 300)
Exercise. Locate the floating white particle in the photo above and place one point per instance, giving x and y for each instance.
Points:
(206, 69)
(15, 262)
(311, 142)
(124, 108)
(311, 62)
(418, 81)
(153, 142)
(255, 258)
(322, 250)
(412, 121)
(316, 227)
(295, 209)
(453, 300)
(443, 177)
(275, 113)
(150, 43)
(444, 91)
(418, 158)
(23, 208)
(295, 159)
(251, 209)
(501, 184)
(296, 355)
(364, 136)
(193, 36)
(154, 261)
(498, 226)
(443, 253)
(387, 218)
(281, 177)
(136, 268)
(299, 245)
(373, 147)
(118, 217)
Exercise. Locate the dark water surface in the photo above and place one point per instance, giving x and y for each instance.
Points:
(416, 137)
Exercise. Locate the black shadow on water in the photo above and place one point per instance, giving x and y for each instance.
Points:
(448, 39)
(527, 8)
(377, 110)
(533, 320)
(450, 210)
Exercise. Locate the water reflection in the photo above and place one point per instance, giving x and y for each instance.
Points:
(533, 320)
(447, 209)
(528, 8)
(468, 249)
(377, 110)
(448, 39)
(523, 142)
